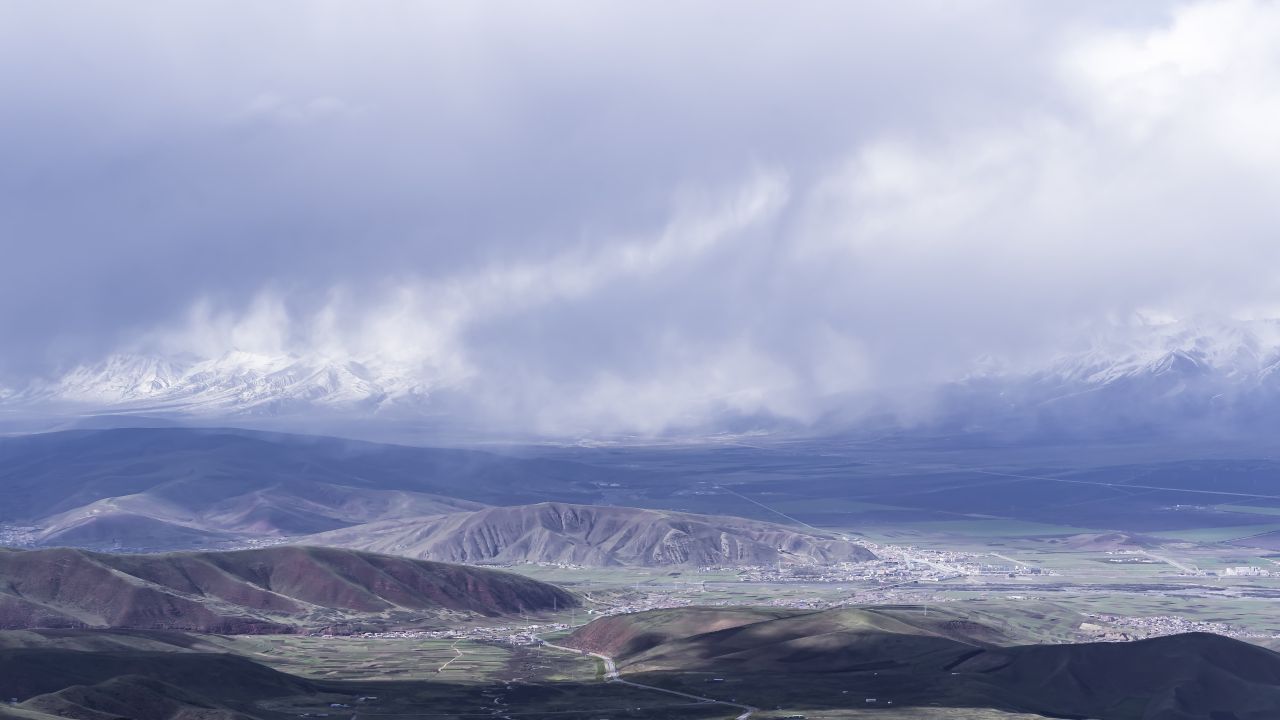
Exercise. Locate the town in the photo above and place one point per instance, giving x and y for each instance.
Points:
(894, 564)
(1118, 628)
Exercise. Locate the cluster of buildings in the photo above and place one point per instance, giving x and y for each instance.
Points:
(894, 564)
(1122, 628)
(508, 634)
(1249, 571)
(899, 559)
(17, 536)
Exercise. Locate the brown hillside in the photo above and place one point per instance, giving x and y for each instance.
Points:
(269, 590)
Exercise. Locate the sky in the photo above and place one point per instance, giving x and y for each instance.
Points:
(631, 215)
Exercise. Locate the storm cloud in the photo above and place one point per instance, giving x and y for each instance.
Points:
(598, 215)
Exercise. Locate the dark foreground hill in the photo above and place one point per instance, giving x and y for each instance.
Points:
(275, 589)
(839, 658)
(595, 536)
(140, 675)
(42, 671)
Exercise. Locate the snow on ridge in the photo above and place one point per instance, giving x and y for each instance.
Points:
(235, 382)
(1240, 351)
(1178, 365)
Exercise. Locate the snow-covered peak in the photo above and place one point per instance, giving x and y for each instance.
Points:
(234, 382)
(1146, 375)
(120, 378)
(1234, 350)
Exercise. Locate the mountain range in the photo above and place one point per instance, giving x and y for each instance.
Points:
(160, 489)
(235, 383)
(1182, 380)
(1152, 378)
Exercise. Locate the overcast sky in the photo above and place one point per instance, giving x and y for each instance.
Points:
(626, 214)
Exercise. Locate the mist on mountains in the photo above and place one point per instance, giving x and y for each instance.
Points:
(440, 228)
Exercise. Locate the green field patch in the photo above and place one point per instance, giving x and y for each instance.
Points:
(341, 658)
(994, 527)
(831, 505)
(1249, 509)
(1217, 534)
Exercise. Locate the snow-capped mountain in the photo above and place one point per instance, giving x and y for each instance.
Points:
(234, 383)
(1177, 377)
(1174, 378)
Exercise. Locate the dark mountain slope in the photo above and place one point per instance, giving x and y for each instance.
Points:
(108, 640)
(28, 673)
(1196, 675)
(135, 674)
(130, 696)
(817, 659)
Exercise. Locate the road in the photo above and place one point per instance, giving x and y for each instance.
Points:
(1170, 561)
(1006, 557)
(1127, 486)
(775, 511)
(453, 647)
(611, 676)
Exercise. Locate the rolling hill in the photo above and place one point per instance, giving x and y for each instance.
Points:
(53, 681)
(828, 659)
(277, 589)
(594, 536)
(140, 675)
(136, 697)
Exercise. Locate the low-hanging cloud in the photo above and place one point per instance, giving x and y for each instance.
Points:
(631, 220)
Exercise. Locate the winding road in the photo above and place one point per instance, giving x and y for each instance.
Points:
(453, 647)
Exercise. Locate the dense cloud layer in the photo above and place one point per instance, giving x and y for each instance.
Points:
(587, 215)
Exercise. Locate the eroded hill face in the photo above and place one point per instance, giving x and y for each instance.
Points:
(595, 536)
(821, 659)
(277, 589)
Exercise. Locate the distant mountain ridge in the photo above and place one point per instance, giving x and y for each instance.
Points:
(84, 487)
(1141, 379)
(235, 383)
(1170, 380)
(163, 489)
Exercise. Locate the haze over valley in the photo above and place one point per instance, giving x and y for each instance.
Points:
(620, 361)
